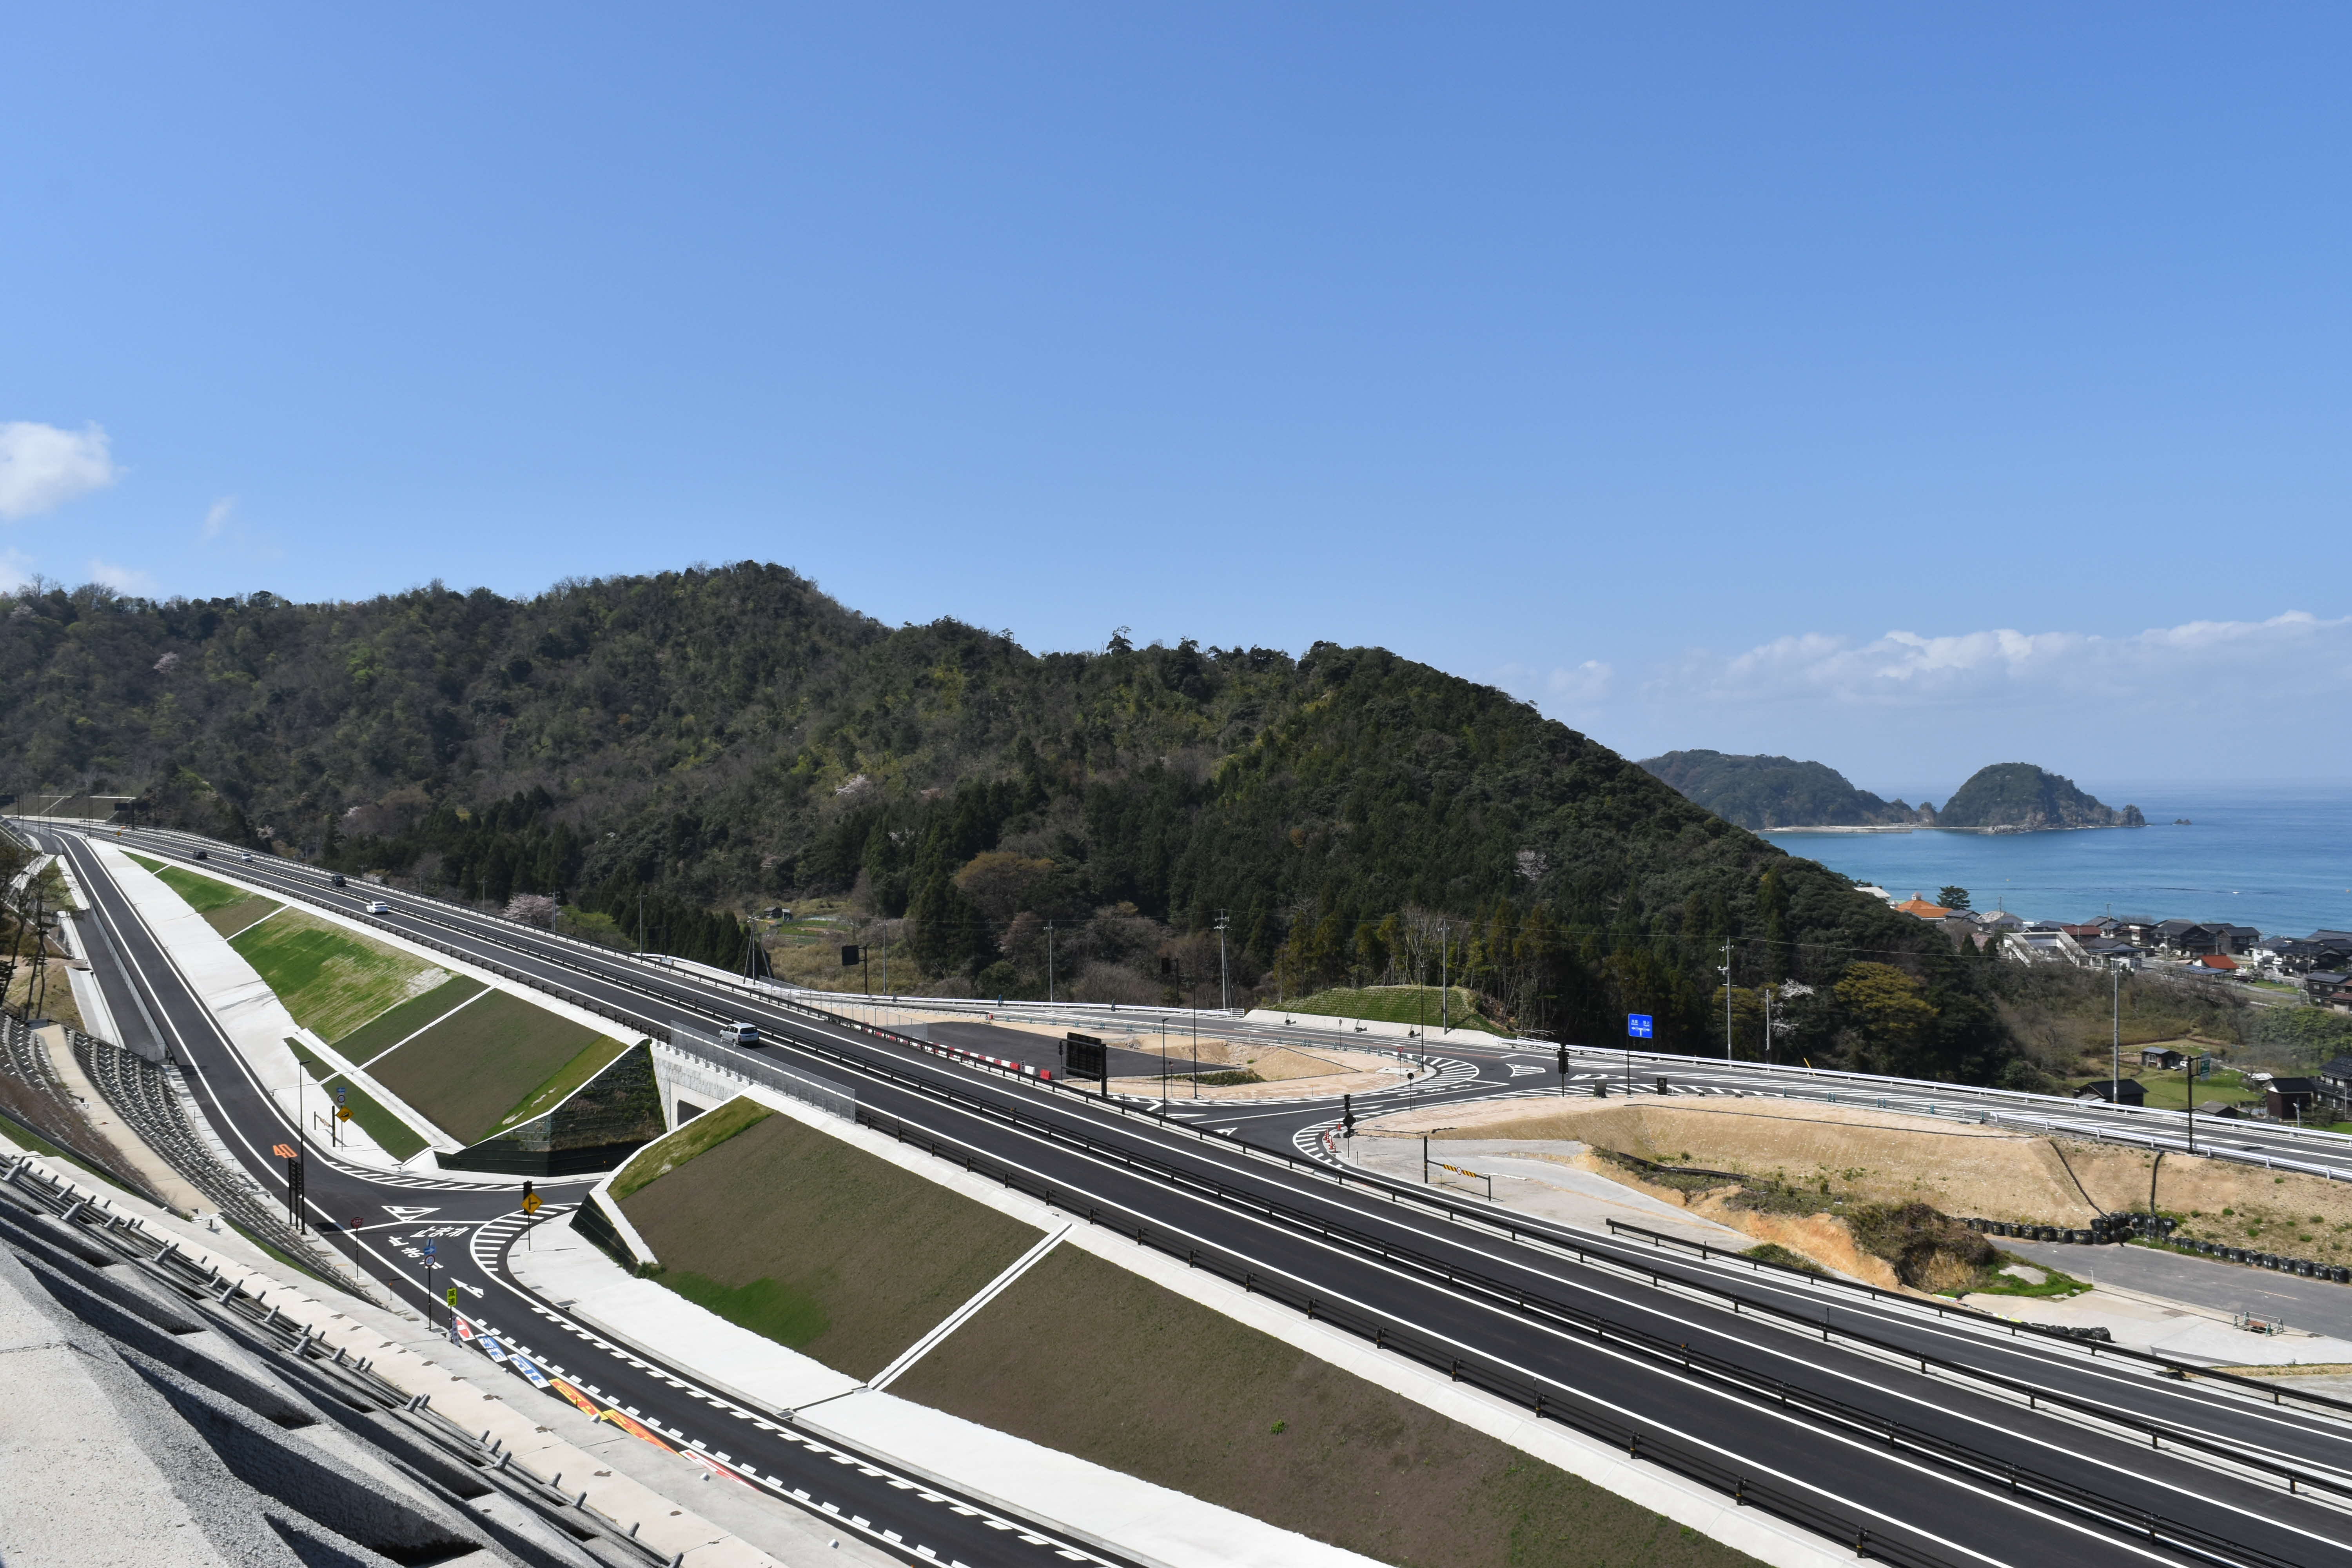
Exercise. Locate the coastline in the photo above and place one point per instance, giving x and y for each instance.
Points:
(1938, 828)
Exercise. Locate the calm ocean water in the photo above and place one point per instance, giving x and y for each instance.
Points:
(2276, 858)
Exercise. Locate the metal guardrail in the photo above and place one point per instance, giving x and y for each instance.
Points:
(1862, 1532)
(2142, 1522)
(2096, 1349)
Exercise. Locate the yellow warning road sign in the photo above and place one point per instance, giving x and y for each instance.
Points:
(531, 1203)
(342, 1114)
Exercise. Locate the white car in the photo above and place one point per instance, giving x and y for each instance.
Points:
(378, 907)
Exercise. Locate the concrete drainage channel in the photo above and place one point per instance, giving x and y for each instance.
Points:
(2112, 1228)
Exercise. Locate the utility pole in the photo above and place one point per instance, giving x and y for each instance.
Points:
(1049, 964)
(1726, 972)
(641, 922)
(2115, 1046)
(1444, 986)
(1224, 978)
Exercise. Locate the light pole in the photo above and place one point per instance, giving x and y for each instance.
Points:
(1224, 976)
(1049, 964)
(1726, 972)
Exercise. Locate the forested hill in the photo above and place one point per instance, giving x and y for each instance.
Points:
(727, 738)
(1777, 792)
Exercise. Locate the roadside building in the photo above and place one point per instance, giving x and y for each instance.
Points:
(2293, 1098)
(2219, 964)
(2130, 1091)
(2044, 947)
(2328, 987)
(2163, 1057)
(2334, 1082)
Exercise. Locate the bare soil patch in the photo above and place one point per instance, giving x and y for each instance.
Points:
(1885, 1157)
(820, 1245)
(1084, 1357)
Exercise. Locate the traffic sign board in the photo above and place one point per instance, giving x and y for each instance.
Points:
(530, 1201)
(342, 1114)
(1637, 1026)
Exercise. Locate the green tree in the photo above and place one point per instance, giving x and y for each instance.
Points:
(1952, 898)
(950, 935)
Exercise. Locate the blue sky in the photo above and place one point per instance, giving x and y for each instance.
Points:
(1912, 390)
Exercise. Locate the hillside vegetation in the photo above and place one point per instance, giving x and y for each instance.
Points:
(2019, 794)
(703, 744)
(1777, 792)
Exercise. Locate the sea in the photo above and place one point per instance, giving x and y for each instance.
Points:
(2277, 857)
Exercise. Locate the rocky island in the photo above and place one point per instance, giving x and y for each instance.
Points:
(1767, 793)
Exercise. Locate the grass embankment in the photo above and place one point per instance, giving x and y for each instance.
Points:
(1416, 1004)
(499, 1061)
(2170, 1090)
(699, 1136)
(393, 1135)
(395, 1025)
(227, 910)
(833, 1251)
(330, 979)
(1082, 1356)
(485, 1066)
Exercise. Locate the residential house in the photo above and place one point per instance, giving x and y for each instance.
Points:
(2328, 988)
(2108, 950)
(1918, 904)
(2239, 939)
(2293, 1100)
(2187, 939)
(2335, 1085)
(2220, 964)
(2163, 1057)
(2130, 1091)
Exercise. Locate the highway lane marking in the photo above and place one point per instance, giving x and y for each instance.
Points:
(1961, 1480)
(925, 1493)
(140, 970)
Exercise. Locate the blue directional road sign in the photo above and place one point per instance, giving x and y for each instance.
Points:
(1637, 1026)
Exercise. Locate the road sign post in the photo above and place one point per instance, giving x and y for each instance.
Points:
(1638, 1027)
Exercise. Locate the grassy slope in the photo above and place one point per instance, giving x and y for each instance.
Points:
(331, 980)
(825, 1247)
(1415, 1005)
(560, 1084)
(1140, 1379)
(468, 1072)
(227, 910)
(388, 1028)
(391, 1135)
(697, 1137)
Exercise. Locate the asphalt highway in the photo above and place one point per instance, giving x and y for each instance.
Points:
(424, 1235)
(1953, 1459)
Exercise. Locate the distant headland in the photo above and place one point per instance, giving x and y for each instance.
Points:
(1770, 793)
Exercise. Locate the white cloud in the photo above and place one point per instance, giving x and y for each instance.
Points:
(42, 467)
(1565, 686)
(216, 516)
(123, 579)
(15, 571)
(1907, 670)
